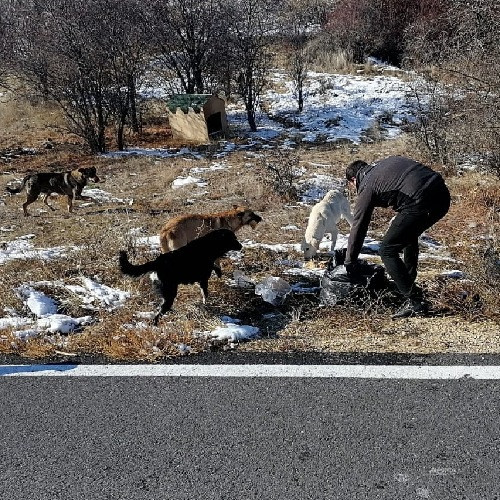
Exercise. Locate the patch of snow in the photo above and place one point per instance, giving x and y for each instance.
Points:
(103, 196)
(228, 319)
(381, 64)
(435, 256)
(184, 349)
(454, 273)
(306, 272)
(341, 107)
(234, 333)
(156, 152)
(215, 166)
(13, 322)
(429, 242)
(279, 247)
(96, 295)
(151, 241)
(148, 315)
(47, 318)
(38, 303)
(61, 323)
(315, 188)
(21, 248)
(181, 182)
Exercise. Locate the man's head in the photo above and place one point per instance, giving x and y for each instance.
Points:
(352, 170)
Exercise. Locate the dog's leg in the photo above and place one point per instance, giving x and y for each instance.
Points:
(33, 191)
(346, 212)
(168, 293)
(77, 196)
(314, 246)
(25, 208)
(161, 311)
(29, 200)
(45, 200)
(217, 269)
(204, 290)
(333, 234)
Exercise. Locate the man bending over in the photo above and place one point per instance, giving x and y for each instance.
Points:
(419, 196)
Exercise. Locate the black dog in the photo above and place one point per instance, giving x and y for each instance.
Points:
(192, 263)
(69, 183)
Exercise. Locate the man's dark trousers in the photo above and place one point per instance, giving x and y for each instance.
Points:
(402, 236)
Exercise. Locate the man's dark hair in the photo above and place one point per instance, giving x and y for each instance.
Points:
(353, 168)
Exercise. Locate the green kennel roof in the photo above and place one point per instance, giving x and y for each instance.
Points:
(186, 101)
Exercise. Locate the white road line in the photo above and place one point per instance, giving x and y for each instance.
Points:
(296, 371)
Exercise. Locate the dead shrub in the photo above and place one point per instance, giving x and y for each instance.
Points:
(279, 171)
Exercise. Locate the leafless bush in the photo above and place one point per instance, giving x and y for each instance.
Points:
(372, 27)
(431, 119)
(298, 19)
(456, 126)
(279, 172)
(460, 92)
(84, 56)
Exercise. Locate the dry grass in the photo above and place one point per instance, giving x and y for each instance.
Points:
(99, 231)
(27, 123)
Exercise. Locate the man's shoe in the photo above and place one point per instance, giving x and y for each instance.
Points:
(412, 308)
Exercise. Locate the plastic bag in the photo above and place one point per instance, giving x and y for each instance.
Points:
(338, 285)
(273, 290)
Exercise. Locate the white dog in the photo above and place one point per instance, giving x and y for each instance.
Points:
(323, 219)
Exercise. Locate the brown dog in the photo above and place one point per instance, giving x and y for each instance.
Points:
(180, 230)
(69, 183)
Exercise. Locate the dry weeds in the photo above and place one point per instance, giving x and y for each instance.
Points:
(470, 232)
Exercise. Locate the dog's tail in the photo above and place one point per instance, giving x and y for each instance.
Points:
(126, 267)
(18, 189)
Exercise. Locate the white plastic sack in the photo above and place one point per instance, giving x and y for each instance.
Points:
(273, 290)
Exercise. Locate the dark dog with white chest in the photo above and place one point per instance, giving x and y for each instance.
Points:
(192, 263)
(69, 183)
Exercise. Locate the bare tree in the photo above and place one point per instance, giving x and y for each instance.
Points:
(300, 18)
(55, 50)
(125, 45)
(253, 24)
(185, 32)
(82, 54)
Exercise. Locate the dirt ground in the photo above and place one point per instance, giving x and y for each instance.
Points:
(141, 199)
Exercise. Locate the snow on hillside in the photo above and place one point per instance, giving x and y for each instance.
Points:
(340, 107)
(336, 108)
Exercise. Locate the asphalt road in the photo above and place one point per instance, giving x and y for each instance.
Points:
(175, 438)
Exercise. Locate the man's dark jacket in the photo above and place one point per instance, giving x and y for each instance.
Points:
(397, 182)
